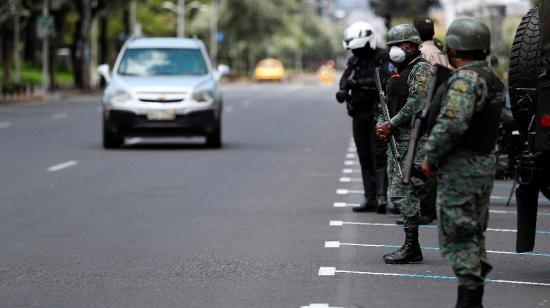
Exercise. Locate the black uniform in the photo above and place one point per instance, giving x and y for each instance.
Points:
(362, 99)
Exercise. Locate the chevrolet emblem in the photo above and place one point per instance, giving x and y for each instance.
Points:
(162, 97)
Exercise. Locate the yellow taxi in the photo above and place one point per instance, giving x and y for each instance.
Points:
(269, 70)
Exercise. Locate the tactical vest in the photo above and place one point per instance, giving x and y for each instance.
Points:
(398, 89)
(482, 133)
(363, 99)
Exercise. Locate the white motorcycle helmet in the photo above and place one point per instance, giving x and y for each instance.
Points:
(358, 35)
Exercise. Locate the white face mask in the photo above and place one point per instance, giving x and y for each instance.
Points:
(397, 55)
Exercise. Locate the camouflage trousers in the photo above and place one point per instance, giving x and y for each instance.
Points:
(464, 189)
(406, 197)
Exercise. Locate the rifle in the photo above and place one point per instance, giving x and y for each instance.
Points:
(440, 74)
(387, 117)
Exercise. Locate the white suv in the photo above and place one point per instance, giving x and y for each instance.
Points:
(161, 87)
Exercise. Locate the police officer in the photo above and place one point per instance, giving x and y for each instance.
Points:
(406, 90)
(358, 90)
(460, 149)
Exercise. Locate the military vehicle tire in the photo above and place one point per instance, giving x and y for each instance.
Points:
(524, 69)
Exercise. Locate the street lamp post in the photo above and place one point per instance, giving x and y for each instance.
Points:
(181, 18)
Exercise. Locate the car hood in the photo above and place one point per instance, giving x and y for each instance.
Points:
(160, 83)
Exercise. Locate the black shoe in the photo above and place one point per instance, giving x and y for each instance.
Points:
(410, 252)
(399, 221)
(369, 205)
(382, 205)
(394, 210)
(469, 298)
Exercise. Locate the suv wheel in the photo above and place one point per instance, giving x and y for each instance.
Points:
(214, 139)
(110, 139)
(524, 68)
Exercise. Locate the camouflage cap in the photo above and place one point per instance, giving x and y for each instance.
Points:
(468, 34)
(403, 33)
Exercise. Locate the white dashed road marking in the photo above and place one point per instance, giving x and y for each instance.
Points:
(332, 271)
(60, 115)
(344, 204)
(348, 180)
(5, 124)
(319, 306)
(338, 244)
(342, 223)
(349, 171)
(63, 165)
(348, 191)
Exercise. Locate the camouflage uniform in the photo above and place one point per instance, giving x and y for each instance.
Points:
(465, 177)
(406, 197)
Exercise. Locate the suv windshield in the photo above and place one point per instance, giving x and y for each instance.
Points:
(162, 62)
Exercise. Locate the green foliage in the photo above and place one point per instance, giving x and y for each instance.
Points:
(33, 75)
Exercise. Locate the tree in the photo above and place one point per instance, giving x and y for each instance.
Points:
(401, 8)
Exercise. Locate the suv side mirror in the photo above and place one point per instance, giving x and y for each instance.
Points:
(223, 70)
(103, 71)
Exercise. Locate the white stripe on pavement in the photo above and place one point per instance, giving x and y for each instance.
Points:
(60, 115)
(341, 223)
(63, 165)
(319, 306)
(5, 124)
(344, 204)
(347, 180)
(338, 244)
(332, 271)
(348, 191)
(348, 171)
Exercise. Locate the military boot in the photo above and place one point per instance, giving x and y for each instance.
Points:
(469, 298)
(410, 252)
(382, 204)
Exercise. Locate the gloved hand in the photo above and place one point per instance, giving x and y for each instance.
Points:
(341, 96)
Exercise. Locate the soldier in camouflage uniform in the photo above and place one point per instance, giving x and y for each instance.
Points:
(407, 90)
(460, 150)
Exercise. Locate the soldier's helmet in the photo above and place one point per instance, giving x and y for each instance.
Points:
(468, 34)
(358, 35)
(403, 33)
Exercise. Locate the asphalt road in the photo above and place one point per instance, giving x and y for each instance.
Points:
(263, 222)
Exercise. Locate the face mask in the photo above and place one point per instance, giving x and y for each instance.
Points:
(397, 55)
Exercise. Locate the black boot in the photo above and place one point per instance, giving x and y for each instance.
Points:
(369, 205)
(382, 204)
(469, 298)
(410, 252)
(394, 210)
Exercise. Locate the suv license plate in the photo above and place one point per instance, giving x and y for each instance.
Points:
(161, 115)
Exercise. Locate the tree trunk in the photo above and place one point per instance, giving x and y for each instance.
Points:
(103, 37)
(31, 39)
(7, 61)
(81, 48)
(55, 43)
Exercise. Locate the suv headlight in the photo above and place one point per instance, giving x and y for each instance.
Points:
(203, 96)
(120, 97)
